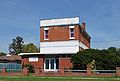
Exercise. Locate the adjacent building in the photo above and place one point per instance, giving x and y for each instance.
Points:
(59, 39)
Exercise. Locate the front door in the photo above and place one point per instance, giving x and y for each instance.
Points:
(50, 64)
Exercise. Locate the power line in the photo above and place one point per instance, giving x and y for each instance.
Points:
(107, 41)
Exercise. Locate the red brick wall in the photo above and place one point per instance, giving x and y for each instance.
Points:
(61, 33)
(56, 33)
(25, 60)
(65, 63)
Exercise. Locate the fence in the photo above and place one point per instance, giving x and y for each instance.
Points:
(76, 71)
(90, 72)
(11, 67)
(103, 71)
(93, 71)
(87, 72)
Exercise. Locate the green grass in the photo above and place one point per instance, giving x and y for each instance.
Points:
(33, 78)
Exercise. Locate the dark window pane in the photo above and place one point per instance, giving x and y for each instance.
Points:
(72, 34)
(57, 63)
(72, 29)
(47, 64)
(46, 31)
(52, 63)
(46, 36)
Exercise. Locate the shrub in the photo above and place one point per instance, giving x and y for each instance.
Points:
(31, 68)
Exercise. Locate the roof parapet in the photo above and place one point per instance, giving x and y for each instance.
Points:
(61, 21)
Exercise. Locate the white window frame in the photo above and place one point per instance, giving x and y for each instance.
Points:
(71, 27)
(33, 59)
(50, 64)
(45, 33)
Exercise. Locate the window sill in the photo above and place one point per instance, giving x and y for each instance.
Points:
(72, 38)
(46, 39)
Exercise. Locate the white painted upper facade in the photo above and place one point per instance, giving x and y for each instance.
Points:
(61, 21)
(61, 47)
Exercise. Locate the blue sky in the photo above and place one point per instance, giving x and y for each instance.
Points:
(21, 18)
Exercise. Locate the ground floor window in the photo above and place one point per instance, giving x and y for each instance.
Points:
(51, 64)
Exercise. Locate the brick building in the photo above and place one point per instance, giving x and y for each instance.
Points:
(59, 39)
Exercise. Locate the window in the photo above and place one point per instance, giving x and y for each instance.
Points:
(71, 32)
(33, 59)
(46, 33)
(51, 64)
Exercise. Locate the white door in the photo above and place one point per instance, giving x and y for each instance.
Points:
(50, 64)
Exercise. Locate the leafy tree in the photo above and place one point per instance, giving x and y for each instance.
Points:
(104, 59)
(2, 54)
(82, 58)
(30, 48)
(16, 46)
(112, 49)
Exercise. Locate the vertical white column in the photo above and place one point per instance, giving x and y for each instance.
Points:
(49, 64)
(54, 64)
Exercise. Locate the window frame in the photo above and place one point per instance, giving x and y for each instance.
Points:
(46, 35)
(71, 32)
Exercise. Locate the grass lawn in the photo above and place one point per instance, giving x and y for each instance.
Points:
(33, 78)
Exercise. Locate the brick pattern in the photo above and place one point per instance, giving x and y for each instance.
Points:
(39, 64)
(3, 70)
(117, 71)
(25, 71)
(64, 63)
(61, 33)
(61, 72)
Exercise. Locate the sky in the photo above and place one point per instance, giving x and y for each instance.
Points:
(22, 18)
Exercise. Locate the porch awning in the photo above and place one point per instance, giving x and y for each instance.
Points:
(42, 53)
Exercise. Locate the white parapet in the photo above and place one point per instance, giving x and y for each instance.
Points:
(61, 47)
(61, 21)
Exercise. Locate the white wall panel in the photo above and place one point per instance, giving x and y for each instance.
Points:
(33, 59)
(62, 21)
(60, 47)
(83, 46)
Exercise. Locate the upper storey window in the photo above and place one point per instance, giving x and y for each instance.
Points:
(46, 33)
(71, 32)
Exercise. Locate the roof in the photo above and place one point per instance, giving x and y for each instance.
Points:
(10, 57)
(41, 53)
(59, 21)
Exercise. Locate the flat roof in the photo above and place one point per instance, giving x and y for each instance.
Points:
(59, 21)
(41, 53)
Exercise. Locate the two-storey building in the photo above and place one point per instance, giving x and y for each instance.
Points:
(59, 39)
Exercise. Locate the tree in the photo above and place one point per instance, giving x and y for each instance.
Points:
(2, 54)
(106, 59)
(112, 49)
(16, 46)
(30, 48)
(82, 58)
